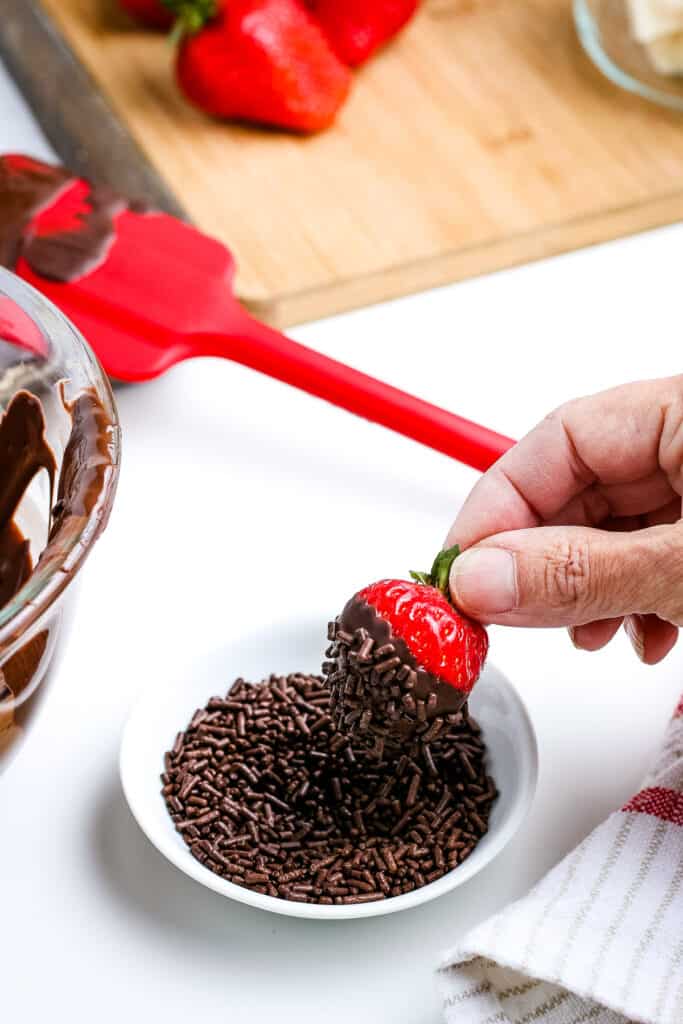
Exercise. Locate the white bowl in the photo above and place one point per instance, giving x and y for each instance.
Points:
(166, 707)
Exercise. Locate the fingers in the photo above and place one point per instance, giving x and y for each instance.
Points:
(618, 501)
(593, 636)
(616, 438)
(670, 513)
(650, 636)
(613, 460)
(570, 576)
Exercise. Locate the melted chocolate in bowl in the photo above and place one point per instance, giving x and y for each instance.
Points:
(84, 473)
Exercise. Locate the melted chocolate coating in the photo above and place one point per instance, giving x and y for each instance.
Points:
(360, 615)
(377, 685)
(28, 186)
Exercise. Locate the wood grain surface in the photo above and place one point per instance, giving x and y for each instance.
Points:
(80, 123)
(481, 139)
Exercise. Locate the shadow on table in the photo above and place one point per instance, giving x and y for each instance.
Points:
(181, 912)
(142, 878)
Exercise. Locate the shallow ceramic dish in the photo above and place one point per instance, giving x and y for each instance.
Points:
(165, 707)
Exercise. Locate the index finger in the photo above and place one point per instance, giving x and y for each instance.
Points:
(611, 438)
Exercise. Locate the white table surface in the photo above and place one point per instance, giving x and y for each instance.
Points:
(234, 493)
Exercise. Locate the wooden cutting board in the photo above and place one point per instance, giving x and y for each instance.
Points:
(481, 139)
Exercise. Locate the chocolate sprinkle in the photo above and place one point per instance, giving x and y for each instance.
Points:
(288, 805)
(380, 693)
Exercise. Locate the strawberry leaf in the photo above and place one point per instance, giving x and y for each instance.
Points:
(192, 15)
(442, 568)
(438, 577)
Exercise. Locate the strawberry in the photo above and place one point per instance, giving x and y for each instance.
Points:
(152, 13)
(402, 656)
(356, 28)
(260, 60)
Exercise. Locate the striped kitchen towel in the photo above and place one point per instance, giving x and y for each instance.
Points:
(600, 939)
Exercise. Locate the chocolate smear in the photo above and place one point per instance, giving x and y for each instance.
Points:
(86, 465)
(26, 188)
(87, 460)
(24, 452)
(67, 255)
(15, 562)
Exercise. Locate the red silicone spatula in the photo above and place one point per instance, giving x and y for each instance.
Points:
(148, 291)
(18, 328)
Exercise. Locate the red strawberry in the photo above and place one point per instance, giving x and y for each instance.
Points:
(150, 12)
(403, 655)
(356, 28)
(261, 60)
(443, 642)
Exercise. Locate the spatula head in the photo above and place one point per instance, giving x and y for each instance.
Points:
(141, 286)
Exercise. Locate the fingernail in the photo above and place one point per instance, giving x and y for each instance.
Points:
(483, 581)
(572, 636)
(634, 631)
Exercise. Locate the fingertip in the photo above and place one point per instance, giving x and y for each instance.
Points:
(593, 636)
(633, 627)
(483, 582)
(652, 638)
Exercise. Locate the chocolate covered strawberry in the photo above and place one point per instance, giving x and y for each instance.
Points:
(357, 28)
(259, 60)
(403, 659)
(152, 13)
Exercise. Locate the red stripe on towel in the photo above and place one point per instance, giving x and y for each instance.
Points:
(666, 804)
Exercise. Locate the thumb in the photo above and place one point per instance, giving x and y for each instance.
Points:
(566, 576)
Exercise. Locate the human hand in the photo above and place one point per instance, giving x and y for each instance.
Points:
(579, 524)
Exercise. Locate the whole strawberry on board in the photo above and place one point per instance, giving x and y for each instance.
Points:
(152, 13)
(357, 28)
(403, 658)
(259, 60)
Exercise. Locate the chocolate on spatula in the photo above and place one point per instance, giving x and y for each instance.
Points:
(148, 291)
(403, 660)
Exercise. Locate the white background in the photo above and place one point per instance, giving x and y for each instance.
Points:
(241, 500)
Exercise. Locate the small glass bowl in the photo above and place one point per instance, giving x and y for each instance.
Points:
(605, 33)
(50, 355)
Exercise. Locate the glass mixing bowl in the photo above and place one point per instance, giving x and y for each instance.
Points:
(42, 353)
(605, 33)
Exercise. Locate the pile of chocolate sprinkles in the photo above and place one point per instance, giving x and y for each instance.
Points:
(381, 696)
(268, 793)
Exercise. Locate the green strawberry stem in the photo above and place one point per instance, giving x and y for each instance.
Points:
(440, 571)
(191, 15)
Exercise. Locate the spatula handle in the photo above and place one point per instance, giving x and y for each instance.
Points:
(264, 349)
